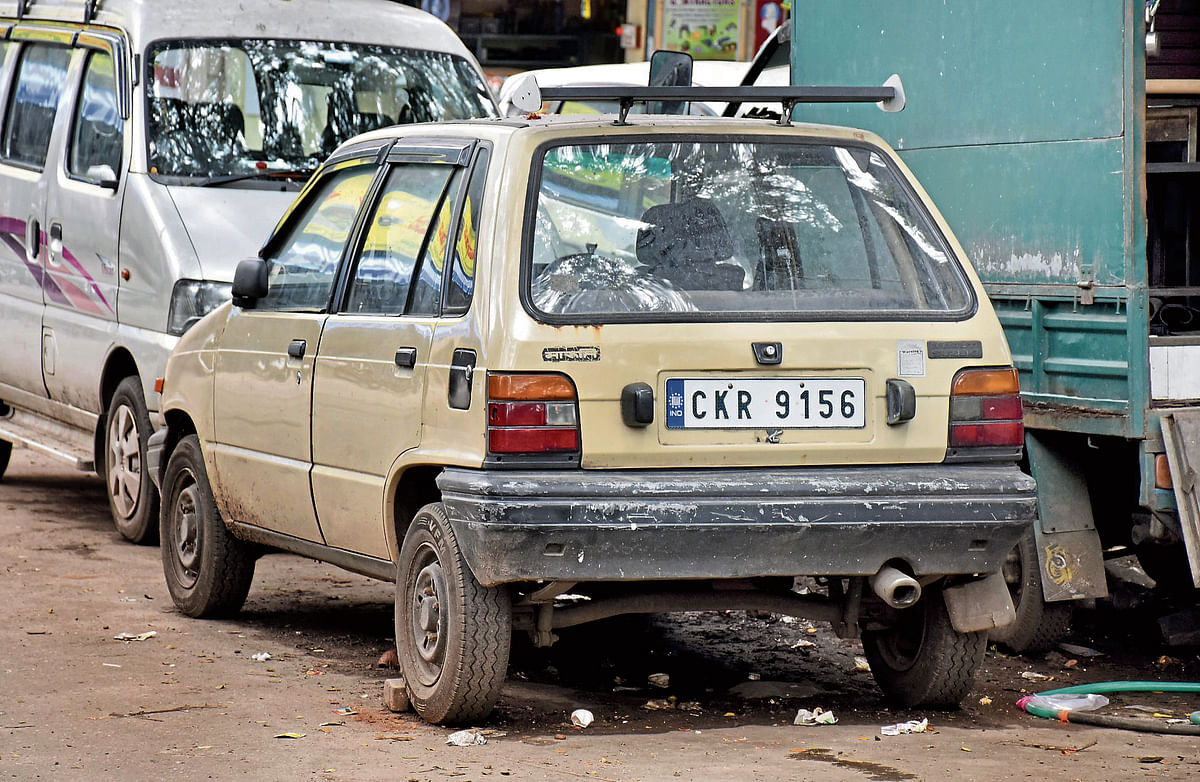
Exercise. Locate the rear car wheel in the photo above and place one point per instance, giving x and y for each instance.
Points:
(922, 660)
(452, 635)
(208, 571)
(1038, 625)
(131, 495)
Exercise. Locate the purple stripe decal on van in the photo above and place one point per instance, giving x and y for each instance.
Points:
(12, 233)
(70, 258)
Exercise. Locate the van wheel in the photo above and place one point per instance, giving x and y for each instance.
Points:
(131, 495)
(208, 571)
(1038, 625)
(922, 660)
(452, 635)
(5, 455)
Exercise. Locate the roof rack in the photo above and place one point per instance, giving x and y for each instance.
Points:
(89, 9)
(889, 96)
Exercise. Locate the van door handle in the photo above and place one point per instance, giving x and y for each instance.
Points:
(296, 348)
(406, 358)
(56, 243)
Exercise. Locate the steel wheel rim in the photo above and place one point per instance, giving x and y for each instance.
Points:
(184, 529)
(427, 616)
(900, 646)
(124, 477)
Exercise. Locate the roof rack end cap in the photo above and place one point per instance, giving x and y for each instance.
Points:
(896, 102)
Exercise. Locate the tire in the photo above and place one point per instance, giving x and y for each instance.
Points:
(5, 455)
(132, 498)
(453, 636)
(923, 661)
(1039, 625)
(208, 571)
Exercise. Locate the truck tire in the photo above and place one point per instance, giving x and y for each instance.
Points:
(923, 661)
(208, 571)
(5, 455)
(132, 498)
(1039, 625)
(453, 636)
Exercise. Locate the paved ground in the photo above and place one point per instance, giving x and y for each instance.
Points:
(190, 702)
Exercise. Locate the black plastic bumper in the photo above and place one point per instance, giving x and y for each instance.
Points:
(601, 525)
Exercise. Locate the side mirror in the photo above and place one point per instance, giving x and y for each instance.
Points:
(669, 69)
(250, 282)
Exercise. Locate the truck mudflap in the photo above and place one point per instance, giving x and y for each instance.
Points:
(627, 525)
(1181, 436)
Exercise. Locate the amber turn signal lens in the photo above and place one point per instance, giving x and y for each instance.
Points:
(539, 387)
(1162, 472)
(989, 382)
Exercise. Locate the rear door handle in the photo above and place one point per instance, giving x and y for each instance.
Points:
(406, 358)
(296, 348)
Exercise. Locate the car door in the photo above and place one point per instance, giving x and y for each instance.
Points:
(262, 392)
(29, 120)
(375, 351)
(83, 211)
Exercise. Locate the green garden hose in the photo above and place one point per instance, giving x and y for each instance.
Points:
(1109, 721)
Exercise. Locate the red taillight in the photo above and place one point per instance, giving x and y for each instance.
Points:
(985, 409)
(532, 414)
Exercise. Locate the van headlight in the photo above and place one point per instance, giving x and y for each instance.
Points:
(191, 300)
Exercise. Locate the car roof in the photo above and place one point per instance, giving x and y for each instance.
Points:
(381, 22)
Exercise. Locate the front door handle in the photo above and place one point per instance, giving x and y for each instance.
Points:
(406, 358)
(296, 348)
(56, 243)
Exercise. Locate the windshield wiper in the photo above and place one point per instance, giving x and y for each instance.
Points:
(224, 179)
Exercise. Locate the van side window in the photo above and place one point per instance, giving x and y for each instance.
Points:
(462, 273)
(303, 268)
(97, 134)
(34, 103)
(398, 230)
(426, 298)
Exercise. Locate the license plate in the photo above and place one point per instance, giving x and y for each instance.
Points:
(766, 403)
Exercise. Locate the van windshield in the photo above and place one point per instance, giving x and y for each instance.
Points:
(691, 229)
(223, 110)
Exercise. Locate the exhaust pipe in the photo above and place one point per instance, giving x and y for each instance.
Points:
(898, 590)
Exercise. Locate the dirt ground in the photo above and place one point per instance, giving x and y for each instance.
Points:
(190, 701)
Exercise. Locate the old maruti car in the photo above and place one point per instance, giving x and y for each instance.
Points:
(664, 364)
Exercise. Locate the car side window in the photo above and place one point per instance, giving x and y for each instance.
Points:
(398, 231)
(33, 103)
(97, 133)
(426, 297)
(466, 243)
(304, 266)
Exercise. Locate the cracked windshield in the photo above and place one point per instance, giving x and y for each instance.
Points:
(680, 229)
(225, 111)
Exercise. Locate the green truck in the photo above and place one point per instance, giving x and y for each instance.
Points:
(1059, 138)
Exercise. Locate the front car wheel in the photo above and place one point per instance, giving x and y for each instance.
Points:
(132, 498)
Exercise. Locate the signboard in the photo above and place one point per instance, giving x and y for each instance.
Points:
(706, 29)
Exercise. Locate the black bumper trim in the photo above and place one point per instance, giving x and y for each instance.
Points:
(628, 525)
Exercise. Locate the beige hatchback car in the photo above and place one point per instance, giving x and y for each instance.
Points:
(665, 364)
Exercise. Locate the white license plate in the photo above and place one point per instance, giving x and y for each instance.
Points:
(766, 403)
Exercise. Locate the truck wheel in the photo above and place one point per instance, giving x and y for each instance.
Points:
(1038, 625)
(132, 498)
(923, 660)
(452, 635)
(208, 571)
(5, 455)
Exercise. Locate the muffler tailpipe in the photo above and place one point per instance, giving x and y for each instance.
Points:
(897, 589)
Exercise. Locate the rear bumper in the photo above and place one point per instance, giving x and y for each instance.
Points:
(600, 525)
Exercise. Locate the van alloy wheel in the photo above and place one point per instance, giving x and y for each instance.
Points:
(132, 497)
(452, 634)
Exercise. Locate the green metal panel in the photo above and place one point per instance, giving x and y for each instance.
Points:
(1024, 123)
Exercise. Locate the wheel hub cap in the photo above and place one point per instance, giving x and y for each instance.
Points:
(124, 462)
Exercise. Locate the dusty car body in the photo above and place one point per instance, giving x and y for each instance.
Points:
(663, 363)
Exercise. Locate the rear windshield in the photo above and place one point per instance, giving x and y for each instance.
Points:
(734, 229)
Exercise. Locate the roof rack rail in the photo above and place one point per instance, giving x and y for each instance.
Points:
(89, 10)
(889, 96)
(23, 7)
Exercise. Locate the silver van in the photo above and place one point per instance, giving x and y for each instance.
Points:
(146, 148)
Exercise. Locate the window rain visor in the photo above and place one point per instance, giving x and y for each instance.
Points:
(219, 109)
(690, 229)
